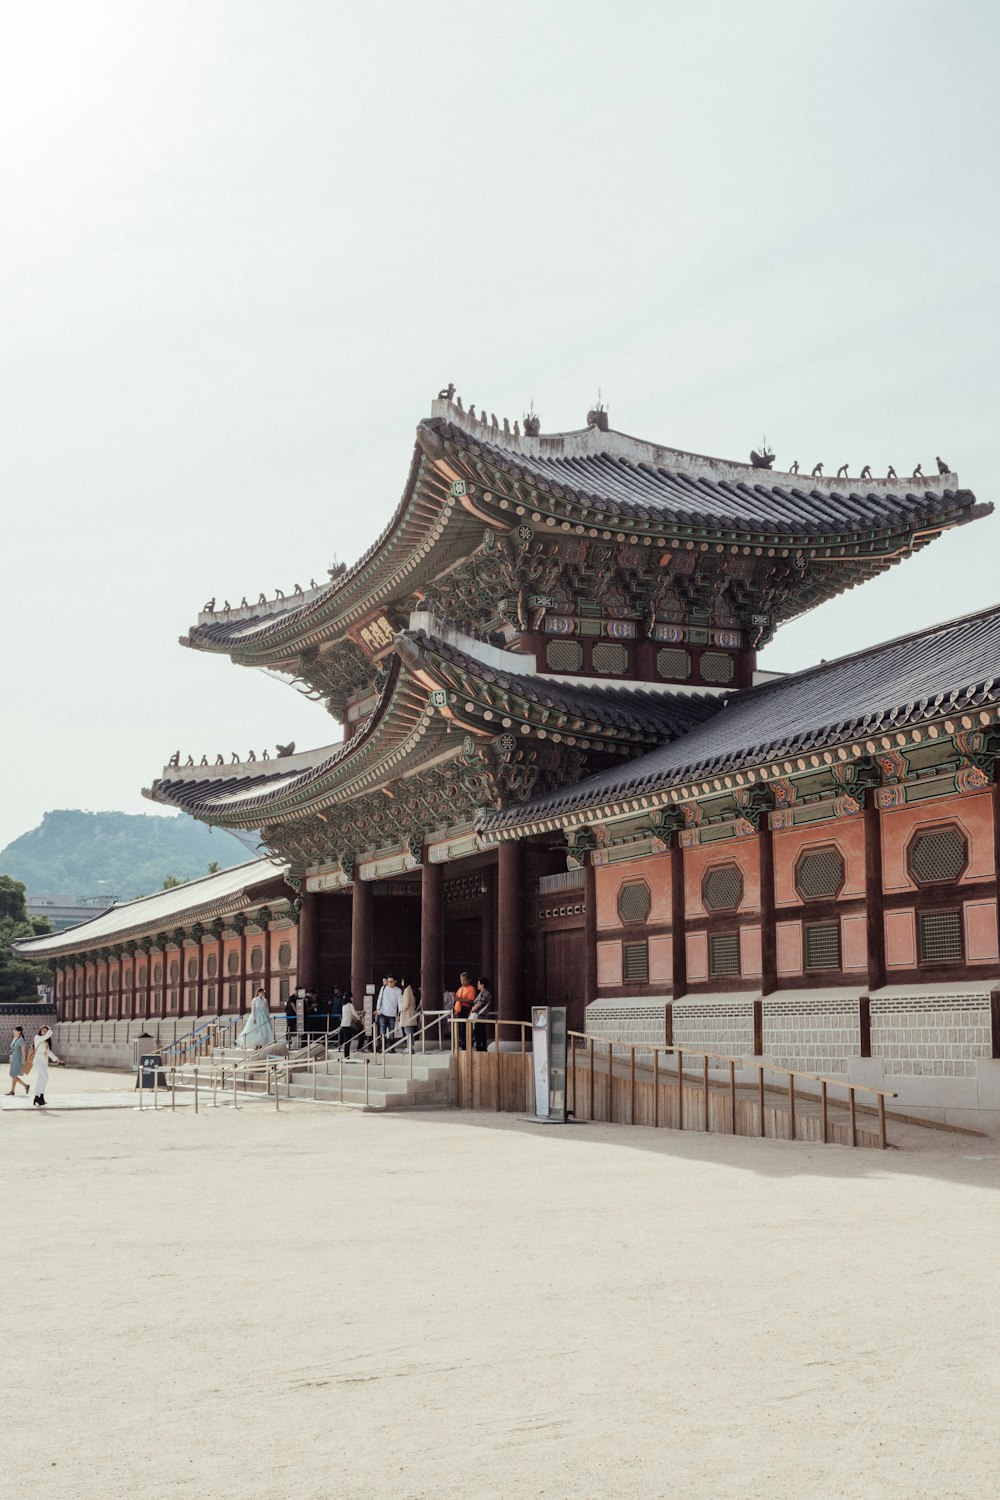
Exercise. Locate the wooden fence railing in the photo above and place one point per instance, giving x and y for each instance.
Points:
(634, 1083)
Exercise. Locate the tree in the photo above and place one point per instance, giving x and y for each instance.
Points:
(213, 867)
(170, 882)
(19, 977)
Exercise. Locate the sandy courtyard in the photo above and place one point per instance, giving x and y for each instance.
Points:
(244, 1305)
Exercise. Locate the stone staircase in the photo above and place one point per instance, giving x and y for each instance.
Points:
(428, 1083)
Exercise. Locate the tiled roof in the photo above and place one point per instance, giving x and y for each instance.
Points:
(755, 500)
(948, 667)
(634, 708)
(211, 895)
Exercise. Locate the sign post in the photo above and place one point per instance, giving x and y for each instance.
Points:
(548, 1058)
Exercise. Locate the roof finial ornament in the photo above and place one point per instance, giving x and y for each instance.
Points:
(282, 750)
(472, 412)
(817, 472)
(203, 761)
(532, 421)
(220, 759)
(891, 473)
(942, 466)
(209, 607)
(765, 458)
(494, 424)
(236, 759)
(446, 392)
(795, 467)
(189, 761)
(506, 427)
(297, 589)
(866, 472)
(918, 472)
(262, 597)
(243, 603)
(175, 759)
(597, 416)
(517, 428)
(313, 584)
(252, 755)
(279, 594)
(842, 472)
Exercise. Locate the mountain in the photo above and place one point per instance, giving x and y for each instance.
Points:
(74, 853)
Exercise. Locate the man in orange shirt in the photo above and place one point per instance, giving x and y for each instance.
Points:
(464, 997)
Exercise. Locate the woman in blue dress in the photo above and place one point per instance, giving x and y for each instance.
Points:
(18, 1048)
(258, 1030)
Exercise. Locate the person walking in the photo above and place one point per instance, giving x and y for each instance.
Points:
(464, 997)
(390, 1003)
(18, 1050)
(409, 1015)
(482, 1007)
(350, 1020)
(258, 1030)
(41, 1055)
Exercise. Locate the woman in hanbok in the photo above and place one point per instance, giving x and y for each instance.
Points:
(42, 1055)
(18, 1050)
(258, 1030)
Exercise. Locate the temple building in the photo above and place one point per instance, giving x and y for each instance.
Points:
(562, 767)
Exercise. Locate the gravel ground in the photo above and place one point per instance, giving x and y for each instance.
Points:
(246, 1305)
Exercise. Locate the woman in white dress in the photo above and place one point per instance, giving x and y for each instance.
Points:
(258, 1030)
(43, 1055)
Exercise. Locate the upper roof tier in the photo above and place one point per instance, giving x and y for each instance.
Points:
(493, 522)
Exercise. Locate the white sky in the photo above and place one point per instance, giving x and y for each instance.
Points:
(244, 243)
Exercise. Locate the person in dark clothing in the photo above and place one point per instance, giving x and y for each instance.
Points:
(291, 1018)
(482, 1007)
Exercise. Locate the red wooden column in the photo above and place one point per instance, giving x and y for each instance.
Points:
(873, 892)
(488, 928)
(432, 935)
(199, 937)
(361, 940)
(307, 955)
(264, 921)
(510, 932)
(768, 930)
(589, 932)
(678, 923)
(244, 967)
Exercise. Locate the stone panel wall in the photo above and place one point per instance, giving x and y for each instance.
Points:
(725, 1026)
(819, 1036)
(629, 1020)
(935, 1036)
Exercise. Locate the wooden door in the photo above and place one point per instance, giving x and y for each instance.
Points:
(563, 978)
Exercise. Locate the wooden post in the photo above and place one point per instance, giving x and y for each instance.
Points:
(611, 1082)
(760, 1096)
(510, 932)
(826, 1113)
(680, 1089)
(707, 1109)
(854, 1117)
(873, 892)
(589, 933)
(678, 934)
(656, 1086)
(361, 939)
(791, 1104)
(631, 1074)
(768, 930)
(591, 1066)
(307, 944)
(732, 1096)
(881, 1121)
(488, 927)
(431, 935)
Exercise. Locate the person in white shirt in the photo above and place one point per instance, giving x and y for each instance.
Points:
(390, 1002)
(350, 1020)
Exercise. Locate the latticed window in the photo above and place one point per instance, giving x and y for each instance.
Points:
(192, 968)
(233, 962)
(283, 990)
(819, 872)
(939, 854)
(234, 994)
(611, 658)
(634, 901)
(212, 965)
(564, 656)
(940, 935)
(256, 959)
(724, 953)
(175, 969)
(211, 996)
(722, 888)
(157, 974)
(716, 666)
(635, 961)
(822, 945)
(673, 662)
(285, 955)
